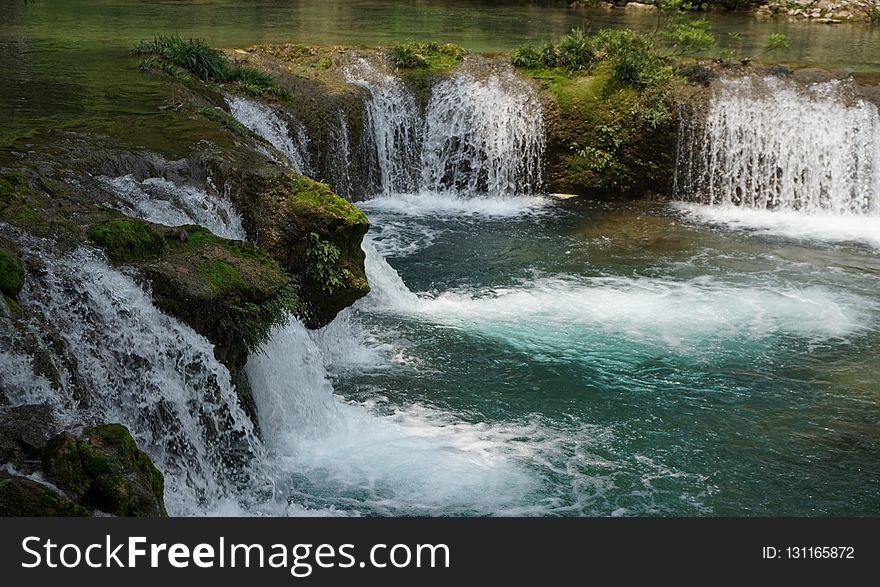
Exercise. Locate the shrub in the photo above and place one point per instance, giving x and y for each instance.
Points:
(633, 57)
(575, 51)
(179, 58)
(689, 36)
(526, 57)
(432, 54)
(407, 57)
(549, 55)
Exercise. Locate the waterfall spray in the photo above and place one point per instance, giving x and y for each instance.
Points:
(767, 144)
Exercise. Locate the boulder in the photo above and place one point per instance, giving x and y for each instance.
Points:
(104, 469)
(20, 496)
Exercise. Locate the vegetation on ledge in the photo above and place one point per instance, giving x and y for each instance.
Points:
(434, 56)
(610, 124)
(183, 59)
(313, 234)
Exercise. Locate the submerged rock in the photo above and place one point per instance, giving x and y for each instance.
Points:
(105, 470)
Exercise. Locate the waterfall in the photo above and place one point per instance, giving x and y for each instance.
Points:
(769, 144)
(163, 202)
(125, 361)
(396, 125)
(290, 139)
(483, 135)
(482, 132)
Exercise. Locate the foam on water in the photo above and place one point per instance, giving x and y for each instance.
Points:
(678, 314)
(455, 206)
(412, 460)
(789, 224)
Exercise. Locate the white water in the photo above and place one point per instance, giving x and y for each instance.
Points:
(163, 202)
(840, 228)
(396, 124)
(354, 456)
(290, 139)
(785, 159)
(686, 316)
(482, 134)
(132, 364)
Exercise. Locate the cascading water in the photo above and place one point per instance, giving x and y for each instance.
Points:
(396, 125)
(783, 158)
(125, 361)
(482, 133)
(290, 139)
(163, 202)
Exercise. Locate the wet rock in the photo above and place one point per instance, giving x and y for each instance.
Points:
(20, 496)
(24, 433)
(104, 469)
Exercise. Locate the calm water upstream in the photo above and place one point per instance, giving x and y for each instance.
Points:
(68, 59)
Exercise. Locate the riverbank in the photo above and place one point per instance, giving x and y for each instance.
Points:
(818, 11)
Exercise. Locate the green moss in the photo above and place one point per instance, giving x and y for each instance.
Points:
(222, 275)
(110, 456)
(22, 497)
(127, 240)
(199, 237)
(608, 137)
(13, 186)
(105, 469)
(306, 197)
(11, 273)
(14, 309)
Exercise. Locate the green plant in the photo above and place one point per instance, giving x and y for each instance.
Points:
(575, 51)
(633, 57)
(549, 55)
(526, 57)
(194, 55)
(322, 258)
(181, 58)
(407, 57)
(427, 55)
(686, 36)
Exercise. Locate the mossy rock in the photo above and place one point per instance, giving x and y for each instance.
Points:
(314, 234)
(15, 193)
(13, 186)
(231, 292)
(22, 497)
(11, 273)
(127, 240)
(602, 139)
(104, 469)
